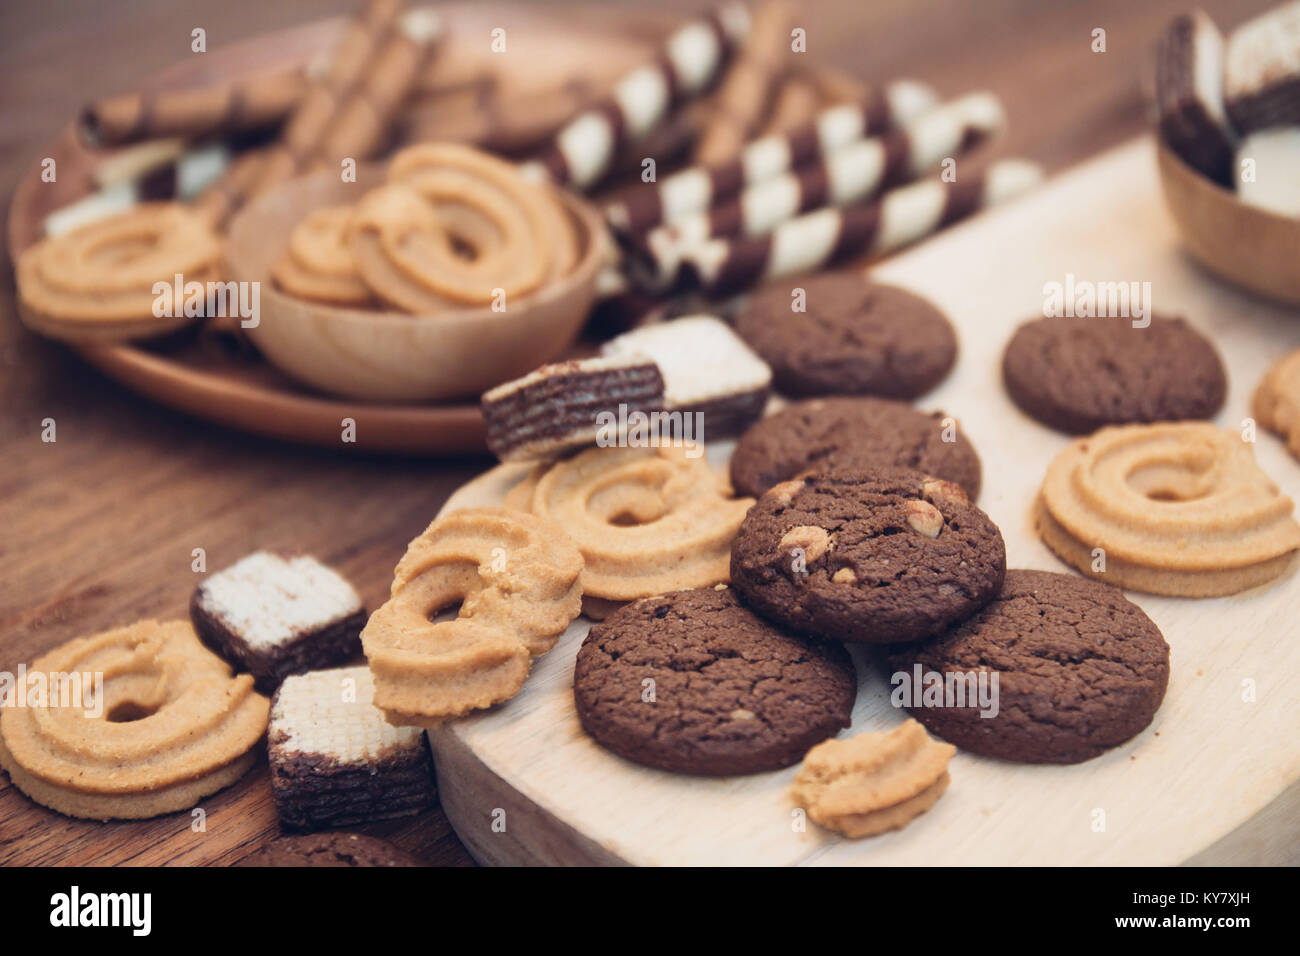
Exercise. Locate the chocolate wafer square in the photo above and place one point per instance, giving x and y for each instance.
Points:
(707, 368)
(1190, 97)
(1262, 70)
(335, 761)
(278, 614)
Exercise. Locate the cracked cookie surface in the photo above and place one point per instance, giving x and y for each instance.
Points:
(1080, 669)
(1078, 374)
(694, 682)
(854, 337)
(905, 555)
(851, 432)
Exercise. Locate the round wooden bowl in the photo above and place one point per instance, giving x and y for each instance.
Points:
(393, 356)
(1248, 246)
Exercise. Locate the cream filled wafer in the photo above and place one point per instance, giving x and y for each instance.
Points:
(1189, 94)
(1261, 70)
(583, 151)
(335, 761)
(698, 188)
(851, 174)
(816, 239)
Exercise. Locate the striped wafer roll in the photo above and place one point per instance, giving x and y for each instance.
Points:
(851, 174)
(817, 239)
(252, 103)
(700, 187)
(691, 59)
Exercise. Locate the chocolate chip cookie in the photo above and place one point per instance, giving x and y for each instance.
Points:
(1079, 374)
(1080, 669)
(880, 556)
(852, 433)
(854, 337)
(694, 682)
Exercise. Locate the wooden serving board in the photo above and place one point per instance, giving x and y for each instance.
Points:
(1213, 779)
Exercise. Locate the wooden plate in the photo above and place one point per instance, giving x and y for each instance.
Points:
(238, 389)
(1212, 780)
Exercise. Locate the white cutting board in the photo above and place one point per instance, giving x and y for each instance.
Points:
(1212, 778)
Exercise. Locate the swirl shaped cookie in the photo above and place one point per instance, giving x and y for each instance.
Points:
(1276, 403)
(97, 282)
(518, 580)
(171, 725)
(457, 228)
(872, 783)
(317, 263)
(1180, 509)
(647, 520)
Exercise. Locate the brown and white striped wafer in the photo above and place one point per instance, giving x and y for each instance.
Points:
(816, 239)
(700, 187)
(851, 174)
(691, 59)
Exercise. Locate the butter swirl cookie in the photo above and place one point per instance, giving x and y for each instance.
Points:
(518, 580)
(171, 725)
(647, 520)
(1276, 404)
(1180, 509)
(97, 282)
(456, 228)
(872, 783)
(317, 264)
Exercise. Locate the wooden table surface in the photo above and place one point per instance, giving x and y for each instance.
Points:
(97, 529)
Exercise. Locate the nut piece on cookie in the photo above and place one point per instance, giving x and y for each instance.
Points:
(335, 761)
(279, 614)
(873, 782)
(814, 541)
(924, 518)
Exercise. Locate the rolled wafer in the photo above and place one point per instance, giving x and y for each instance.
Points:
(794, 101)
(851, 174)
(817, 239)
(312, 118)
(1261, 70)
(364, 121)
(691, 59)
(747, 88)
(255, 102)
(700, 187)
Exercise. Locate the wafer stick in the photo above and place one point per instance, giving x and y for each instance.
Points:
(795, 100)
(699, 187)
(364, 120)
(821, 238)
(747, 87)
(582, 152)
(247, 104)
(311, 119)
(851, 174)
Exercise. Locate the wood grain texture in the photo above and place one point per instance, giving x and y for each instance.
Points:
(98, 527)
(1210, 761)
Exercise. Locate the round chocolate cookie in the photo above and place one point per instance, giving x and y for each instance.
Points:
(1080, 669)
(330, 849)
(878, 556)
(851, 434)
(855, 338)
(694, 682)
(1079, 374)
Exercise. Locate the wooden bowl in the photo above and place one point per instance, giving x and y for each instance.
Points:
(1248, 246)
(393, 356)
